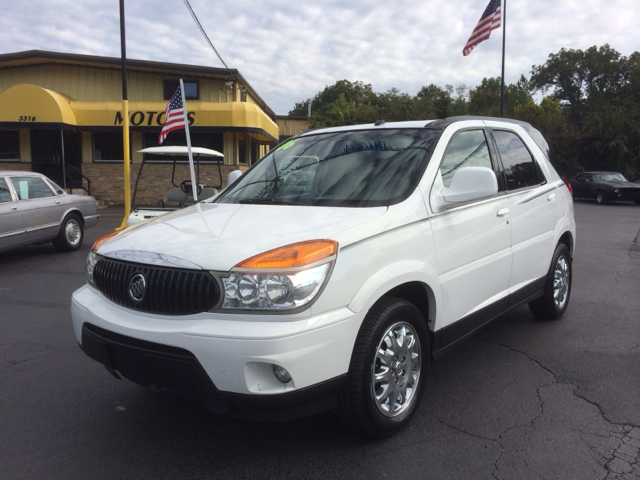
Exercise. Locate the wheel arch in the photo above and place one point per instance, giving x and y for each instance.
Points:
(567, 239)
(420, 295)
(75, 211)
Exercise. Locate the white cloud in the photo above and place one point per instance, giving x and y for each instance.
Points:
(290, 52)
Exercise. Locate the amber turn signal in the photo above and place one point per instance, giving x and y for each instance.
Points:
(296, 255)
(98, 243)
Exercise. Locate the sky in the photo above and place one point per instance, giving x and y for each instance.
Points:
(289, 51)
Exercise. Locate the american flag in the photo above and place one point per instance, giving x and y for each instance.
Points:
(174, 116)
(490, 20)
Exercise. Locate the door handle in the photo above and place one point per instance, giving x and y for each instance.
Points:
(57, 202)
(502, 212)
(551, 197)
(14, 208)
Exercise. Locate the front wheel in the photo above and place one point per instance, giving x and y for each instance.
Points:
(70, 235)
(557, 287)
(388, 369)
(601, 198)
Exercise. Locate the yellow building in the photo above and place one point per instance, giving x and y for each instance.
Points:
(60, 108)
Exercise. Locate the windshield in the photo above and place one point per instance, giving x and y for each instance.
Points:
(610, 177)
(349, 169)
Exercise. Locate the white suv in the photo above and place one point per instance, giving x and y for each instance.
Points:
(334, 270)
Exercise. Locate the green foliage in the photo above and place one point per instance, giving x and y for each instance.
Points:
(599, 91)
(590, 115)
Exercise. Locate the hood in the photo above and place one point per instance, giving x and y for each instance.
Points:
(621, 184)
(219, 236)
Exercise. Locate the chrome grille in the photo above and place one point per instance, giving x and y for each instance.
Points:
(169, 291)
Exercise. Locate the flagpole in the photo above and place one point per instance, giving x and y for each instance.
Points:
(125, 121)
(504, 33)
(194, 185)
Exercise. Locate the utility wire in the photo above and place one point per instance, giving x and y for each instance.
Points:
(186, 2)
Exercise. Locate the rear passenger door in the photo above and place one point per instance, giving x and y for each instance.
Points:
(11, 225)
(41, 208)
(534, 209)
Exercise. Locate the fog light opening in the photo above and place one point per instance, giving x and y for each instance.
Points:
(281, 373)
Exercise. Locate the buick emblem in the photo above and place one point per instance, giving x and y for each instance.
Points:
(137, 287)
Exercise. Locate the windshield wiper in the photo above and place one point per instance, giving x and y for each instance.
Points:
(264, 201)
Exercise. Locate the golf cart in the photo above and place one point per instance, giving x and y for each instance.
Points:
(180, 194)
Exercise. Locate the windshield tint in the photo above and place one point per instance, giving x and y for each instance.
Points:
(350, 169)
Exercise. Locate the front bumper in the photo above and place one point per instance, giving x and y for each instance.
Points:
(626, 194)
(219, 357)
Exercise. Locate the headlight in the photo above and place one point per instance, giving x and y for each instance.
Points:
(262, 283)
(617, 191)
(92, 259)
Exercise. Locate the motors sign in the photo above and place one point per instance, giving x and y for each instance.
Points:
(148, 118)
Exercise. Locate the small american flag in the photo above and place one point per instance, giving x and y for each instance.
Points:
(174, 116)
(490, 20)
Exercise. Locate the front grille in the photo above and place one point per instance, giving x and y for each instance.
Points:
(169, 291)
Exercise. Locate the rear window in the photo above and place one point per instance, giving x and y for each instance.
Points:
(351, 169)
(519, 166)
(28, 188)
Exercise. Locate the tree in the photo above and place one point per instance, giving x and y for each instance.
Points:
(600, 91)
(563, 139)
(580, 78)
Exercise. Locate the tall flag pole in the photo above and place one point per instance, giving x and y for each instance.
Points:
(125, 121)
(504, 36)
(175, 119)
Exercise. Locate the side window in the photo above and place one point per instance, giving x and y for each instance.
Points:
(467, 149)
(519, 167)
(31, 187)
(5, 194)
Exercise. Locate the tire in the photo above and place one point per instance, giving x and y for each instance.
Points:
(601, 197)
(364, 404)
(557, 287)
(70, 235)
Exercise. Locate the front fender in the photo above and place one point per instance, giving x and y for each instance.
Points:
(394, 275)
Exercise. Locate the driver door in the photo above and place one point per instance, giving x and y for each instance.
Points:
(473, 244)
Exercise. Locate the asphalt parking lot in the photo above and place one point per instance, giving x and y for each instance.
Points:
(522, 399)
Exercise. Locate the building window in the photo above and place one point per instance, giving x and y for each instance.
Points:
(243, 95)
(9, 146)
(191, 90)
(212, 140)
(242, 150)
(108, 147)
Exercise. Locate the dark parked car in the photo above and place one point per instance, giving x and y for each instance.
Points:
(605, 187)
(33, 209)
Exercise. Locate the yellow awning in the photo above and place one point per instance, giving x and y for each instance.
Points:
(30, 103)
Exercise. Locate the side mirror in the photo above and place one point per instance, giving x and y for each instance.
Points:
(468, 184)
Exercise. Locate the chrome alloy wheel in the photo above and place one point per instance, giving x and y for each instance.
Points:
(396, 369)
(73, 232)
(561, 280)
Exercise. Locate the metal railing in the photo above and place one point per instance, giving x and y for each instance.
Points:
(69, 177)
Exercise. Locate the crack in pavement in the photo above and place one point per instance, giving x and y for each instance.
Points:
(12, 364)
(635, 244)
(492, 440)
(626, 462)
